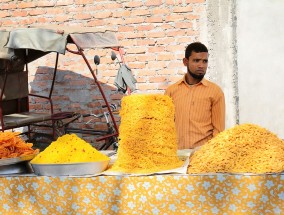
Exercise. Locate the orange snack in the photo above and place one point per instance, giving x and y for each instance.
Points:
(245, 148)
(11, 145)
(148, 141)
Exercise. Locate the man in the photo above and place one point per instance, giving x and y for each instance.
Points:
(199, 103)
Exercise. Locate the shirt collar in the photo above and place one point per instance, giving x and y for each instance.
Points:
(203, 81)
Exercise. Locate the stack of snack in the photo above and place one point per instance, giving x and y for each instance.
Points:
(147, 135)
(69, 149)
(245, 148)
(12, 146)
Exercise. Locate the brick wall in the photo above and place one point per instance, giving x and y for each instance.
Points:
(154, 34)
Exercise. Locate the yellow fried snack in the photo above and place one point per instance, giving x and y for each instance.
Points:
(11, 145)
(69, 149)
(245, 148)
(148, 140)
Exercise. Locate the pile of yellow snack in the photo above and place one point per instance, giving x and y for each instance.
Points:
(12, 145)
(69, 149)
(245, 148)
(148, 140)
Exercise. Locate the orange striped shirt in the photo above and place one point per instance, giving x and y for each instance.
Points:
(199, 111)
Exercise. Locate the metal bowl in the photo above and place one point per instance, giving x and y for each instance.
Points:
(16, 168)
(18, 165)
(9, 161)
(70, 169)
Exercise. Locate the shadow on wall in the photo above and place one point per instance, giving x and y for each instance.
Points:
(73, 92)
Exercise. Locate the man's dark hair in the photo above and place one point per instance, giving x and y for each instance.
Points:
(196, 47)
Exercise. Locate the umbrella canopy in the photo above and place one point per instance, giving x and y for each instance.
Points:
(34, 42)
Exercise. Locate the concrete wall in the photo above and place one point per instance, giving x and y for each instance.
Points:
(221, 36)
(260, 39)
(245, 40)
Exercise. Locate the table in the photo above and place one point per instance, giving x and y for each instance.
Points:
(156, 194)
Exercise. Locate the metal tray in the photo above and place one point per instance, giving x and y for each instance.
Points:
(17, 165)
(17, 168)
(9, 161)
(70, 169)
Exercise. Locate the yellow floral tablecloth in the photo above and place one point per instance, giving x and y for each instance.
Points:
(158, 194)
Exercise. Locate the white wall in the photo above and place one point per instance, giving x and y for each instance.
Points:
(221, 36)
(246, 41)
(260, 59)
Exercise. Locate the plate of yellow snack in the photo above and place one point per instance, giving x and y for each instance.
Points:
(69, 155)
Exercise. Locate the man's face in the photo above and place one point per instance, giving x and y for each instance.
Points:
(197, 64)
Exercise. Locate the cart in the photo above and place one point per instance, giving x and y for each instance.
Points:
(19, 47)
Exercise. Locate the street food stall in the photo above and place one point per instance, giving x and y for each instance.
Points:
(170, 192)
(240, 171)
(133, 186)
